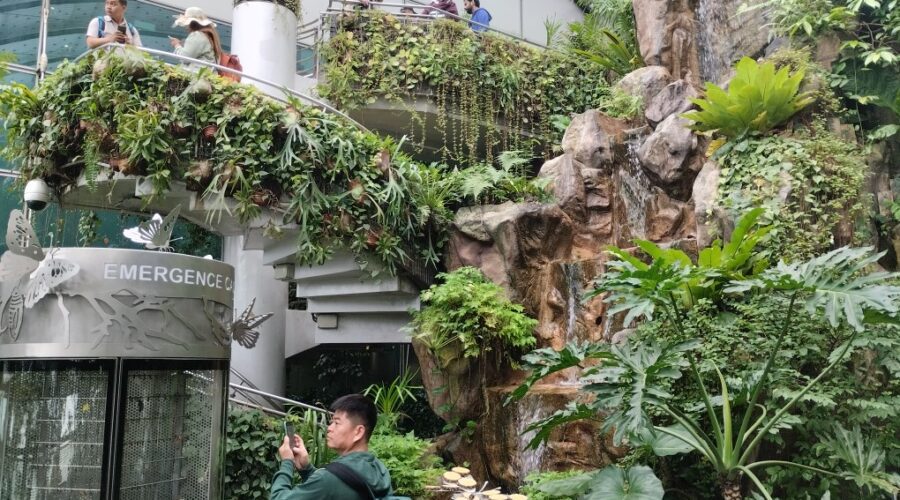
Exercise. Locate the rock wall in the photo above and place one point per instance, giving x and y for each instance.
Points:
(698, 40)
(612, 184)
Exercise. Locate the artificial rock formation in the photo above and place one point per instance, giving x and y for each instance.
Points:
(611, 185)
(698, 40)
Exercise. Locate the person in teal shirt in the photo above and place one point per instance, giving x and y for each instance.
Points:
(351, 427)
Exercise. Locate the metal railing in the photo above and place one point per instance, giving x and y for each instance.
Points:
(309, 99)
(244, 389)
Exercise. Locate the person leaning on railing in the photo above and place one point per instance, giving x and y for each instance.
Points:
(480, 19)
(202, 41)
(438, 7)
(112, 28)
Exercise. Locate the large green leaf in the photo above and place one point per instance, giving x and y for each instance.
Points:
(568, 487)
(666, 441)
(837, 283)
(633, 378)
(633, 483)
(543, 362)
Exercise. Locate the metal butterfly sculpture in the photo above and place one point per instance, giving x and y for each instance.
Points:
(156, 233)
(242, 330)
(35, 273)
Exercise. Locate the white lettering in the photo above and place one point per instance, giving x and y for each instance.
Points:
(146, 273)
(189, 277)
(218, 281)
(176, 275)
(127, 272)
(109, 271)
(228, 284)
(201, 278)
(159, 274)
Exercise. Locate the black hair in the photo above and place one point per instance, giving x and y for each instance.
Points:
(360, 409)
(123, 3)
(476, 2)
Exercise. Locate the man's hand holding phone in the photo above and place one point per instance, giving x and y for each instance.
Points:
(120, 36)
(292, 448)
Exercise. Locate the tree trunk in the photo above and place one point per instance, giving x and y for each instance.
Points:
(731, 490)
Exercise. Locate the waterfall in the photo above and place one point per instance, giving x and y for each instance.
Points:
(572, 274)
(529, 410)
(708, 13)
(633, 187)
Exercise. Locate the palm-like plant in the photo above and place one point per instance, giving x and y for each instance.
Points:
(389, 398)
(635, 377)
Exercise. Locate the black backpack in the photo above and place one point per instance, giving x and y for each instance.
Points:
(352, 479)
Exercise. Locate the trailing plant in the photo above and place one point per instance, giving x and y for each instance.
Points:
(470, 313)
(412, 465)
(620, 104)
(391, 397)
(632, 385)
(758, 99)
(342, 187)
(810, 183)
(489, 90)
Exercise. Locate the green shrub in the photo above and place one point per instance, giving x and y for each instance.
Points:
(811, 185)
(250, 454)
(469, 309)
(758, 99)
(407, 457)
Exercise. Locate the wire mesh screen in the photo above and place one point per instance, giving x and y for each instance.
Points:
(52, 417)
(169, 444)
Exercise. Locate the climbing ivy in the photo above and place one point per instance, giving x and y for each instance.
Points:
(811, 184)
(504, 92)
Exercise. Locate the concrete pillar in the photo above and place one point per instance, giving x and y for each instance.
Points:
(264, 364)
(264, 36)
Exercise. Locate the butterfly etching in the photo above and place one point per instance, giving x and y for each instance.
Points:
(242, 330)
(35, 273)
(156, 233)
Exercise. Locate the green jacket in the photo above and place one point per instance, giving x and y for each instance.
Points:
(319, 484)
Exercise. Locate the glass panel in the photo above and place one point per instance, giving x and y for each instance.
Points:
(52, 427)
(69, 20)
(172, 431)
(19, 25)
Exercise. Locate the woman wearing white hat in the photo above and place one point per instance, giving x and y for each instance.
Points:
(202, 41)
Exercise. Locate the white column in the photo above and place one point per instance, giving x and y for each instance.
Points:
(264, 36)
(264, 364)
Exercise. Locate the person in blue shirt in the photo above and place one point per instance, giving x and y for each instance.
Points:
(481, 18)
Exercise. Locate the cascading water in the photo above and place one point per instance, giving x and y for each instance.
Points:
(572, 274)
(529, 410)
(633, 190)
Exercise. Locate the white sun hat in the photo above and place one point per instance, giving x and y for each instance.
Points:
(193, 15)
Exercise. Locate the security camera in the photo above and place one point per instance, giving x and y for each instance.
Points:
(37, 194)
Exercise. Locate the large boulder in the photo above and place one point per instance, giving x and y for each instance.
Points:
(675, 99)
(664, 155)
(645, 82)
(592, 139)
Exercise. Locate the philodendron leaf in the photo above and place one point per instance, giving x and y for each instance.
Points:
(634, 483)
(568, 487)
(665, 444)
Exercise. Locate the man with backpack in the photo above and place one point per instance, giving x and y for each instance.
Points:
(112, 28)
(356, 474)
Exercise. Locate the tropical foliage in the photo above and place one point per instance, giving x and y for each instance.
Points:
(389, 398)
(340, 186)
(490, 92)
(471, 315)
(633, 385)
(758, 99)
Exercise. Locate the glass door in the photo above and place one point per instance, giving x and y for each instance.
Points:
(53, 420)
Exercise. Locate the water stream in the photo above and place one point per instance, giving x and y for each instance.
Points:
(529, 410)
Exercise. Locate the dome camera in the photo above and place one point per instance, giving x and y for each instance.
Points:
(37, 194)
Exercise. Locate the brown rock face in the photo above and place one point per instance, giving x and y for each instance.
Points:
(646, 82)
(675, 99)
(611, 185)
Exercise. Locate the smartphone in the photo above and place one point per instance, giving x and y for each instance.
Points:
(121, 29)
(289, 430)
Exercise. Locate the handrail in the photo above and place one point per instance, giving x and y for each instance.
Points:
(325, 106)
(451, 15)
(12, 174)
(257, 407)
(258, 392)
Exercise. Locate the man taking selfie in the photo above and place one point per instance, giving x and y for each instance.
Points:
(355, 474)
(112, 28)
